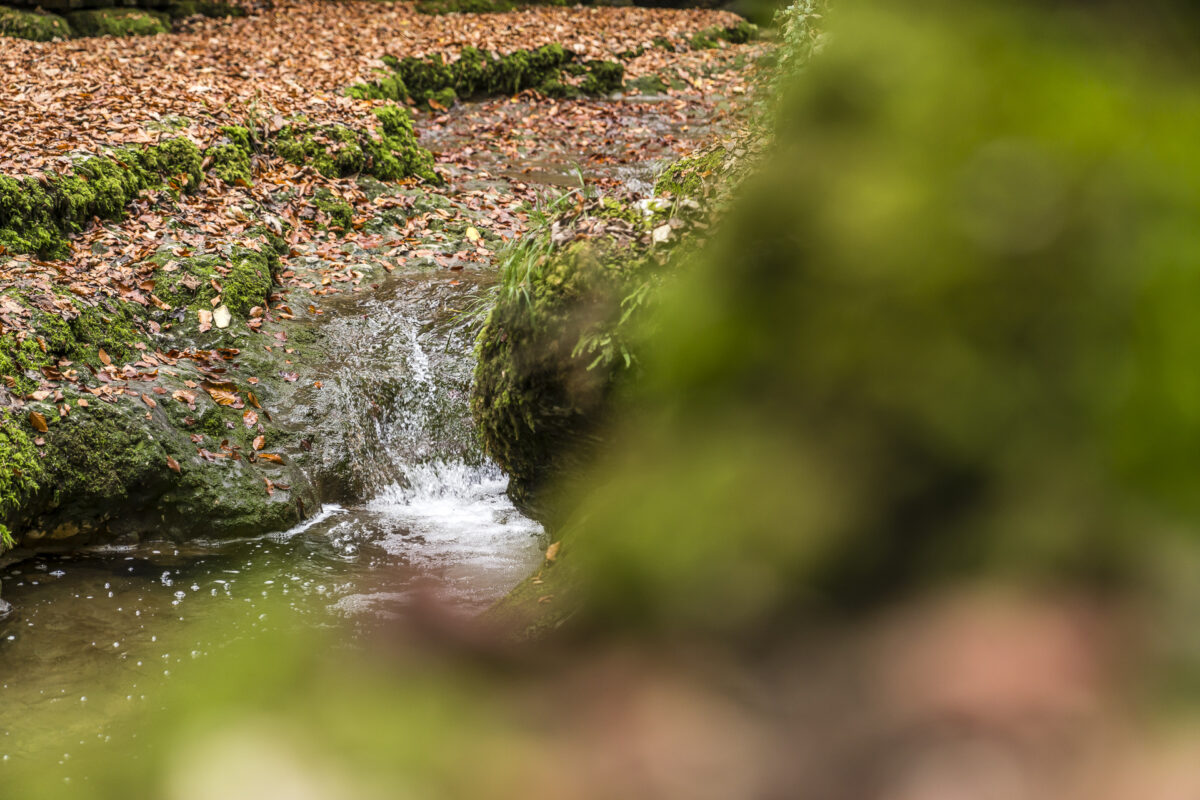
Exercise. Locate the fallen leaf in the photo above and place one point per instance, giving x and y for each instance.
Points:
(38, 421)
(174, 465)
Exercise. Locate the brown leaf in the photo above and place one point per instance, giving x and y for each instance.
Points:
(38, 421)
(250, 418)
(104, 357)
(174, 465)
(223, 393)
(258, 442)
(272, 457)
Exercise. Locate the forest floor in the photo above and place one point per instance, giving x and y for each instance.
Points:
(66, 100)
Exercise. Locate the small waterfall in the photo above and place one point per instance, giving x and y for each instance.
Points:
(398, 442)
(397, 389)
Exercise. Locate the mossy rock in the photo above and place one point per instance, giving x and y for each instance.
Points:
(245, 279)
(389, 153)
(337, 211)
(537, 400)
(105, 474)
(476, 74)
(38, 217)
(709, 38)
(39, 26)
(691, 176)
(118, 22)
(205, 8)
(231, 163)
(647, 84)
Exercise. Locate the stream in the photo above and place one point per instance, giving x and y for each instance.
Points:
(90, 631)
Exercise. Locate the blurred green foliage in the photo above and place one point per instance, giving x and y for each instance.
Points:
(944, 333)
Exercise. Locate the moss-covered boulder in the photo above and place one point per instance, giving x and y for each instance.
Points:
(37, 216)
(37, 25)
(541, 392)
(388, 152)
(118, 22)
(182, 9)
(474, 74)
(125, 469)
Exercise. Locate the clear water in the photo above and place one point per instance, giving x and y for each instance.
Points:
(95, 633)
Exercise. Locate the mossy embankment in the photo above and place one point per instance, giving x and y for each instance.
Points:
(39, 215)
(38, 26)
(550, 69)
(162, 445)
(43, 26)
(118, 22)
(144, 408)
(560, 338)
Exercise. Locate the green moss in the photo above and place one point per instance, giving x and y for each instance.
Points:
(38, 216)
(248, 283)
(231, 163)
(207, 8)
(603, 77)
(709, 38)
(338, 151)
(110, 326)
(36, 25)
(444, 98)
(339, 213)
(240, 136)
(553, 87)
(212, 423)
(476, 74)
(689, 176)
(537, 399)
(188, 282)
(20, 471)
(647, 84)
(118, 22)
(178, 160)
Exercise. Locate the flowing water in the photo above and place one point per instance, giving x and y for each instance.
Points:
(94, 633)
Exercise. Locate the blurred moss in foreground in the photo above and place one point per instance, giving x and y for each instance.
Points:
(948, 331)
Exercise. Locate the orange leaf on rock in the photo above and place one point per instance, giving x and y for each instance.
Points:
(223, 393)
(250, 418)
(174, 465)
(38, 421)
